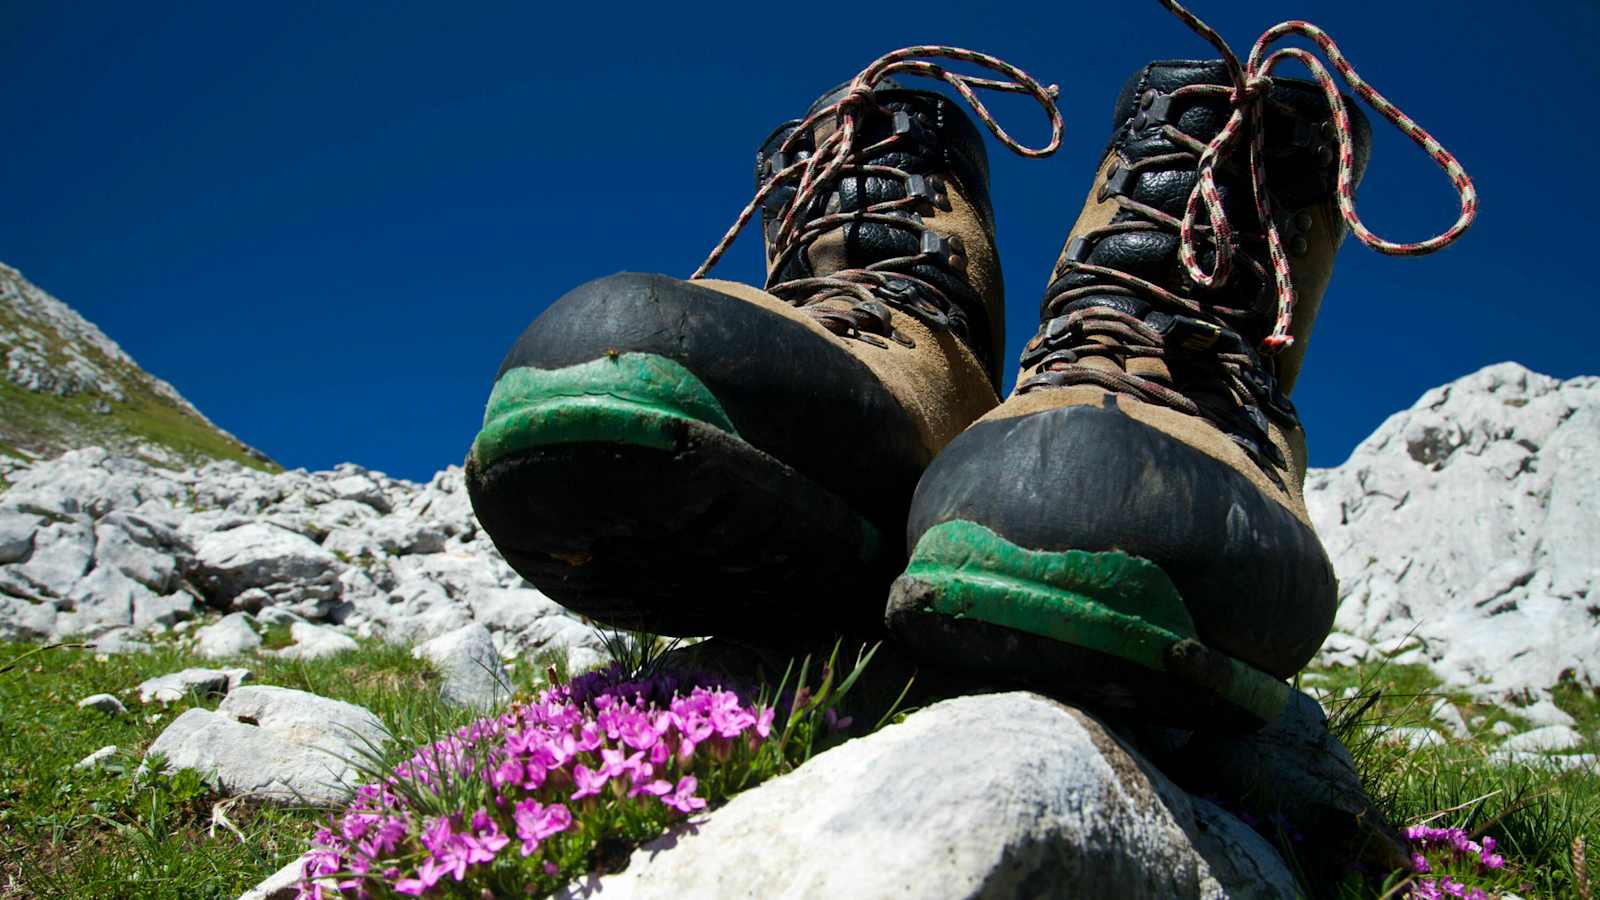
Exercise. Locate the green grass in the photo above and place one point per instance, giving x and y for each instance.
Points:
(109, 832)
(66, 833)
(47, 421)
(1535, 813)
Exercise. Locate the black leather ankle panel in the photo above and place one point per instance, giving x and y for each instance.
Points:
(951, 147)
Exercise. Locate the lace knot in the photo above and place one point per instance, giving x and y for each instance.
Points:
(1252, 80)
(1254, 88)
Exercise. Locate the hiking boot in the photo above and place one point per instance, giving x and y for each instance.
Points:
(702, 456)
(1129, 527)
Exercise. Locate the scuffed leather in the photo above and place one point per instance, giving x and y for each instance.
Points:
(952, 148)
(1297, 176)
(789, 391)
(1255, 578)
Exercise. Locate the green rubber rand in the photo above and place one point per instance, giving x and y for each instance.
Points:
(1108, 602)
(630, 398)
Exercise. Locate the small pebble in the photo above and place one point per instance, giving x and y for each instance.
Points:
(106, 703)
(96, 758)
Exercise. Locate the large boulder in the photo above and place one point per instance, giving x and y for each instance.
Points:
(275, 744)
(257, 555)
(469, 667)
(144, 548)
(231, 635)
(1004, 795)
(1467, 528)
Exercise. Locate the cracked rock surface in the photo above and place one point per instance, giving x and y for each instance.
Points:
(274, 743)
(1466, 534)
(110, 547)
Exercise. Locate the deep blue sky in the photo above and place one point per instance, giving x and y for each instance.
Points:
(325, 224)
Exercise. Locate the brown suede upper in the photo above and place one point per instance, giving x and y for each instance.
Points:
(939, 382)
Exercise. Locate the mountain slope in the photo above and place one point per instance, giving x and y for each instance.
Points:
(68, 385)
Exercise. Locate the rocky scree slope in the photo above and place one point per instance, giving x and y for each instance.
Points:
(1466, 535)
(68, 385)
(109, 547)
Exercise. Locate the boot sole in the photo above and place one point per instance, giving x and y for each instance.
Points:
(620, 488)
(1105, 628)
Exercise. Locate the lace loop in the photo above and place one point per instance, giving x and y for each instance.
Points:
(1250, 82)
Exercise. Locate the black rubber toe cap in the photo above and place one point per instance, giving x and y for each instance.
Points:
(1255, 579)
(789, 391)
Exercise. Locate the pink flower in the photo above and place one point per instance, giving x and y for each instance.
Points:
(386, 837)
(655, 788)
(617, 762)
(589, 782)
(764, 723)
(437, 836)
(727, 716)
(637, 732)
(485, 840)
(535, 822)
(683, 799)
(554, 753)
(590, 737)
(509, 772)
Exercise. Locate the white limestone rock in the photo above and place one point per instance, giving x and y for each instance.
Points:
(1414, 737)
(1445, 714)
(276, 560)
(275, 744)
(360, 489)
(283, 884)
(526, 623)
(403, 534)
(1472, 520)
(63, 551)
(141, 547)
(1292, 770)
(230, 635)
(175, 686)
(16, 535)
(929, 808)
(316, 642)
(121, 639)
(101, 598)
(1556, 762)
(1543, 713)
(152, 613)
(1549, 739)
(109, 546)
(469, 668)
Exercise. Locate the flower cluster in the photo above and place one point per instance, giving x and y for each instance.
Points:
(496, 798)
(1440, 848)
